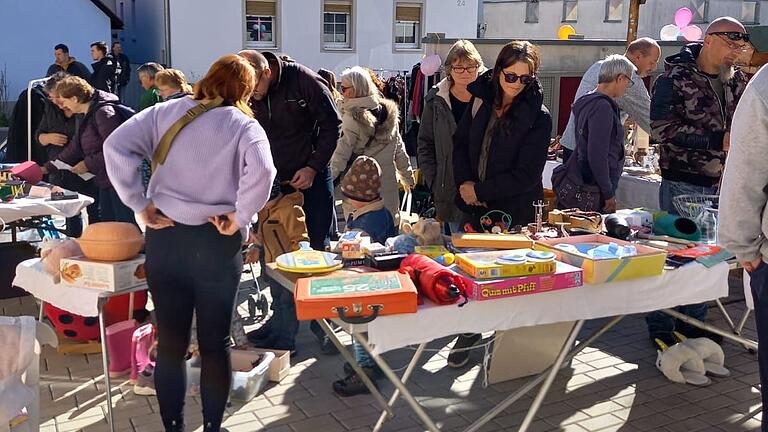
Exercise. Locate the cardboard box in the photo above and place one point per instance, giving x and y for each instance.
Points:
(483, 265)
(526, 351)
(565, 276)
(101, 275)
(648, 262)
(491, 241)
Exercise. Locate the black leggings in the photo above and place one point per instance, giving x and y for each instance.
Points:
(193, 268)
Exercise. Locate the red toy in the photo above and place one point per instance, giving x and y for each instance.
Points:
(28, 171)
(80, 328)
(432, 280)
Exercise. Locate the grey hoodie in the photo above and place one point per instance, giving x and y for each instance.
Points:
(743, 223)
(599, 131)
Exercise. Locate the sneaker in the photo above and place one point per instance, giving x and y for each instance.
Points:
(459, 355)
(691, 332)
(145, 384)
(352, 385)
(662, 341)
(375, 370)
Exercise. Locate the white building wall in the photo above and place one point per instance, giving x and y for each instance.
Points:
(506, 18)
(300, 32)
(29, 29)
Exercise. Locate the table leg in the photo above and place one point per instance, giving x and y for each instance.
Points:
(105, 364)
(495, 411)
(40, 313)
(726, 315)
(358, 370)
(399, 385)
(539, 399)
(396, 394)
(710, 328)
(130, 305)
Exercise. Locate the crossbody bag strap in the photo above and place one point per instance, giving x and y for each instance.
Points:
(161, 153)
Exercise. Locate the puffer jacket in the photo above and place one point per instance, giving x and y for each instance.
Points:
(361, 117)
(516, 156)
(688, 120)
(435, 150)
(88, 143)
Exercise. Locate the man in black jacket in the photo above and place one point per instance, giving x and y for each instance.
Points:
(65, 63)
(294, 106)
(123, 72)
(105, 68)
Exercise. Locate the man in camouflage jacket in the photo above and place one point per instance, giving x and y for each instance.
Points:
(691, 110)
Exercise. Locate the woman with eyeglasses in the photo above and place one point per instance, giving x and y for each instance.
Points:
(598, 158)
(444, 107)
(500, 148)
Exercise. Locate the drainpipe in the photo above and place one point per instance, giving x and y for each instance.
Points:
(167, 22)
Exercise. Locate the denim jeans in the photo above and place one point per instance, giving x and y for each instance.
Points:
(112, 209)
(318, 206)
(361, 355)
(759, 284)
(285, 325)
(658, 322)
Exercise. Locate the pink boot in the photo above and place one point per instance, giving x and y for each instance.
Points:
(119, 347)
(141, 345)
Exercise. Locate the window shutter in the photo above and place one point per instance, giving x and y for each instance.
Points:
(338, 7)
(260, 8)
(408, 13)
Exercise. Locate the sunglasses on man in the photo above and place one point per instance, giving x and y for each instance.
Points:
(734, 36)
(513, 77)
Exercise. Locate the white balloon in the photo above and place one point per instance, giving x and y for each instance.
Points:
(669, 32)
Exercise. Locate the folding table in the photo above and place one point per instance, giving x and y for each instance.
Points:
(693, 283)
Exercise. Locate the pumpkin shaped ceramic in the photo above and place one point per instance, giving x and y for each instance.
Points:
(111, 241)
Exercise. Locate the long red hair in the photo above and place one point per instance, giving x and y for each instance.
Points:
(230, 77)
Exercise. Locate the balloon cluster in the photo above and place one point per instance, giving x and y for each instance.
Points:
(681, 27)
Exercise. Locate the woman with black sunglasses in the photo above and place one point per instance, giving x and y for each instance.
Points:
(500, 148)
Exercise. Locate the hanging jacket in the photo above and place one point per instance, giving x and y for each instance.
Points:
(363, 116)
(516, 155)
(689, 121)
(17, 149)
(299, 116)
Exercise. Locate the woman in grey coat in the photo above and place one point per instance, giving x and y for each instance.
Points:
(444, 106)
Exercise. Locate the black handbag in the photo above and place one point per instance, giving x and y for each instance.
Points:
(570, 188)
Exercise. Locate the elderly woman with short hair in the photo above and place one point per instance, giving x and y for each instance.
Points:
(370, 127)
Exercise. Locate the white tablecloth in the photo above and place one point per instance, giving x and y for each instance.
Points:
(28, 207)
(693, 283)
(633, 192)
(31, 277)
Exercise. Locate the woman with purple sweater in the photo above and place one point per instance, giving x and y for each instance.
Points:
(216, 176)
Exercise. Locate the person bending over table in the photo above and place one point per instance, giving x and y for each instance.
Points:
(500, 148)
(215, 178)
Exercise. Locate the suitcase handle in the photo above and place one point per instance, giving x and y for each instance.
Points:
(341, 310)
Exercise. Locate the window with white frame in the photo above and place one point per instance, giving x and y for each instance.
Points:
(570, 10)
(260, 23)
(700, 9)
(337, 24)
(532, 11)
(750, 12)
(614, 10)
(407, 25)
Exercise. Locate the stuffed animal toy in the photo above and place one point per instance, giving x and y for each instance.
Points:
(681, 364)
(53, 250)
(425, 232)
(711, 354)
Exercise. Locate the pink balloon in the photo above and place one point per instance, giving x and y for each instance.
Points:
(430, 64)
(683, 17)
(692, 33)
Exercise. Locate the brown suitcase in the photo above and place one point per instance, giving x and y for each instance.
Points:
(355, 298)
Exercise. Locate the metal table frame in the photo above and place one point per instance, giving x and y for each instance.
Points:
(568, 351)
(103, 333)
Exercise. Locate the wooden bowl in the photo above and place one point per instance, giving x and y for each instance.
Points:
(111, 241)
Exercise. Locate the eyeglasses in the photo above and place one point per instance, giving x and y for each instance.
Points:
(727, 37)
(513, 77)
(462, 69)
(629, 79)
(344, 88)
(734, 36)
